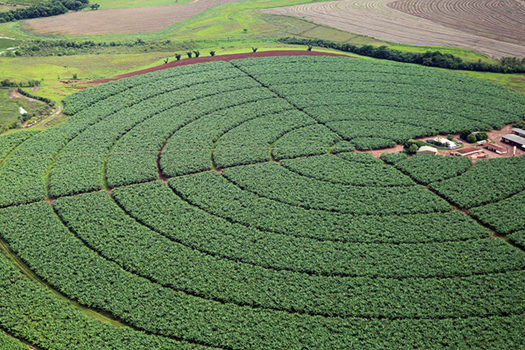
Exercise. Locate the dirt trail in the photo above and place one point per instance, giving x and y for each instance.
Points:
(378, 19)
(120, 20)
(226, 58)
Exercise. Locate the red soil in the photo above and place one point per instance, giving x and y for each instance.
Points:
(230, 57)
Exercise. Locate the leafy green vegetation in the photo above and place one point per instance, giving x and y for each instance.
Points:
(223, 205)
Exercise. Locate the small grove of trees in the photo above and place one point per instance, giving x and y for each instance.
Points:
(429, 58)
(94, 6)
(46, 9)
(473, 137)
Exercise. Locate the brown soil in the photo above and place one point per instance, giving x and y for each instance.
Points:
(120, 20)
(493, 27)
(496, 19)
(237, 56)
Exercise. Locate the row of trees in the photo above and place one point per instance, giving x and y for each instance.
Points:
(11, 84)
(429, 58)
(46, 9)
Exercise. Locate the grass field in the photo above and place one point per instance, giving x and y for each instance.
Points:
(9, 108)
(278, 217)
(6, 43)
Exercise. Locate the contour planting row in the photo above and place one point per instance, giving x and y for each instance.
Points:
(80, 165)
(269, 180)
(253, 222)
(23, 174)
(488, 181)
(239, 217)
(34, 313)
(298, 69)
(148, 305)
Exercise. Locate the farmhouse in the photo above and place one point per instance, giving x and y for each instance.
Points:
(427, 150)
(519, 132)
(514, 140)
(467, 151)
(496, 148)
(450, 144)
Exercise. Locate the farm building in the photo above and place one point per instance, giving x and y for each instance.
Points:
(514, 140)
(519, 132)
(467, 151)
(427, 150)
(447, 142)
(496, 148)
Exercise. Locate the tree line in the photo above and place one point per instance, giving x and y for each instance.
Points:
(429, 58)
(46, 9)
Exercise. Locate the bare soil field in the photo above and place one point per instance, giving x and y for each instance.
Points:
(496, 19)
(493, 27)
(120, 20)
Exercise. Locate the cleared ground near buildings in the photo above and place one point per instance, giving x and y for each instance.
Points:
(222, 205)
(120, 20)
(492, 27)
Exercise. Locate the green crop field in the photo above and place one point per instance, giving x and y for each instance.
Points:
(227, 205)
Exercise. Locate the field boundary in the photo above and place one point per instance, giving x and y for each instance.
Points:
(224, 58)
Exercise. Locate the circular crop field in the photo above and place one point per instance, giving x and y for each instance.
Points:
(231, 205)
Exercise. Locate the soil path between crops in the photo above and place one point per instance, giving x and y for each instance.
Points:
(226, 58)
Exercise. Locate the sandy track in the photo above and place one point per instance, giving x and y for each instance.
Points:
(378, 19)
(120, 20)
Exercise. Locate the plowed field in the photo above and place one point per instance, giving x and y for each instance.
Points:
(493, 27)
(121, 20)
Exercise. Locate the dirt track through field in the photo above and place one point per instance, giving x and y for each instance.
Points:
(227, 58)
(493, 27)
(120, 20)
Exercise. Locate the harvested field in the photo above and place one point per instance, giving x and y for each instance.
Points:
(121, 20)
(502, 20)
(492, 27)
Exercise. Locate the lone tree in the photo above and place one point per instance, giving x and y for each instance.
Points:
(309, 48)
(197, 53)
(189, 53)
(212, 53)
(178, 56)
(254, 49)
(94, 6)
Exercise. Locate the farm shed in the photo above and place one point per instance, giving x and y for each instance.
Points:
(468, 151)
(519, 132)
(427, 150)
(496, 148)
(514, 140)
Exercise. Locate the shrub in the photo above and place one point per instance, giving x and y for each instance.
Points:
(472, 138)
(482, 136)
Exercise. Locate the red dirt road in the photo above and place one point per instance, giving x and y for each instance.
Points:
(226, 58)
